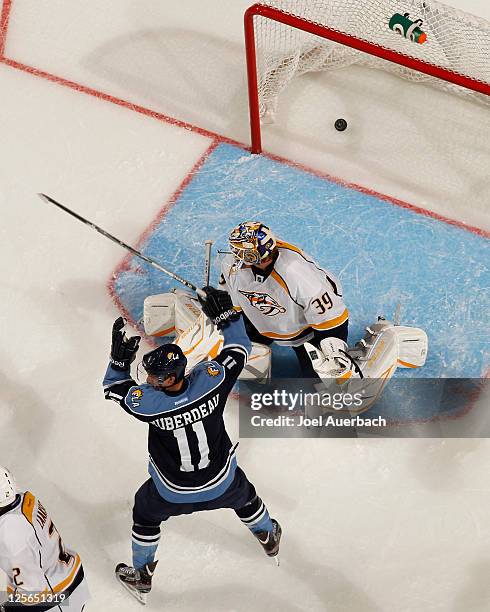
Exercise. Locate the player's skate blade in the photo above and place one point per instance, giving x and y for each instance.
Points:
(270, 540)
(141, 597)
(136, 582)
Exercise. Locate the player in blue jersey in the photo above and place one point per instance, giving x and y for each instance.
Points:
(192, 461)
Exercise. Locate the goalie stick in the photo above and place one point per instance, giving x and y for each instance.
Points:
(396, 318)
(207, 261)
(148, 260)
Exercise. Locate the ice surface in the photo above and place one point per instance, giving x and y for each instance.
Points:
(403, 139)
(369, 525)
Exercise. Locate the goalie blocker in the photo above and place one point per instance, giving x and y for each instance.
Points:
(367, 367)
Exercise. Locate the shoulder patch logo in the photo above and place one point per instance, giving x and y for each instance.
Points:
(212, 371)
(136, 395)
(263, 302)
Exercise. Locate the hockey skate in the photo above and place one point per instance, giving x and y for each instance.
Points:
(137, 582)
(270, 540)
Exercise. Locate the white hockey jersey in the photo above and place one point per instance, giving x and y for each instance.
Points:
(295, 298)
(32, 553)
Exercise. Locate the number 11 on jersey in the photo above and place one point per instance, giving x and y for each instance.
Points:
(185, 450)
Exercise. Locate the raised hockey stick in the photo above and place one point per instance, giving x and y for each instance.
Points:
(148, 260)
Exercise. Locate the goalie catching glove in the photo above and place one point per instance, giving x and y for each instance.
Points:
(331, 359)
(123, 349)
(218, 307)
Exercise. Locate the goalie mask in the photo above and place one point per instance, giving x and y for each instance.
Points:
(8, 490)
(165, 361)
(251, 242)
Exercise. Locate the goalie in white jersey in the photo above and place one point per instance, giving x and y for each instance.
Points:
(41, 573)
(285, 296)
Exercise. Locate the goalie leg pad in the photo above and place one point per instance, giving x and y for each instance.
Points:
(202, 341)
(367, 367)
(259, 364)
(413, 346)
(187, 309)
(159, 314)
(168, 313)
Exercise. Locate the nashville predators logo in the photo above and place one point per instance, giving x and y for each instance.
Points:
(212, 371)
(263, 302)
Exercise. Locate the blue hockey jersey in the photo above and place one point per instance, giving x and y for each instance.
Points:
(191, 457)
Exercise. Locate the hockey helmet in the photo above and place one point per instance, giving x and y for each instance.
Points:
(165, 361)
(251, 242)
(8, 490)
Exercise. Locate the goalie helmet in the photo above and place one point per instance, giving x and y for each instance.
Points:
(164, 361)
(251, 242)
(8, 490)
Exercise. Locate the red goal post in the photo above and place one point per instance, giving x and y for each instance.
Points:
(320, 30)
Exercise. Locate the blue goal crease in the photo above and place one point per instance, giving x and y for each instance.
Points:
(383, 254)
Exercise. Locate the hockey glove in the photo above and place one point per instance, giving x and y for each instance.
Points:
(123, 349)
(218, 307)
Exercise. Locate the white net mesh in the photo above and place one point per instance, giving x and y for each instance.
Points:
(455, 40)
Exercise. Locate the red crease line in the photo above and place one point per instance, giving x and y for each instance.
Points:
(223, 139)
(124, 264)
(4, 23)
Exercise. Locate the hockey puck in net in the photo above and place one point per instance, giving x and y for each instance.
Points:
(340, 125)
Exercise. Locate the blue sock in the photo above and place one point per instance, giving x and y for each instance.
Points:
(144, 544)
(255, 516)
(142, 555)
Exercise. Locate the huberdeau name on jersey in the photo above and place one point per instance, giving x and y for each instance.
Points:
(189, 417)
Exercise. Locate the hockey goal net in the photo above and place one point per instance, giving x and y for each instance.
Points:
(417, 40)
